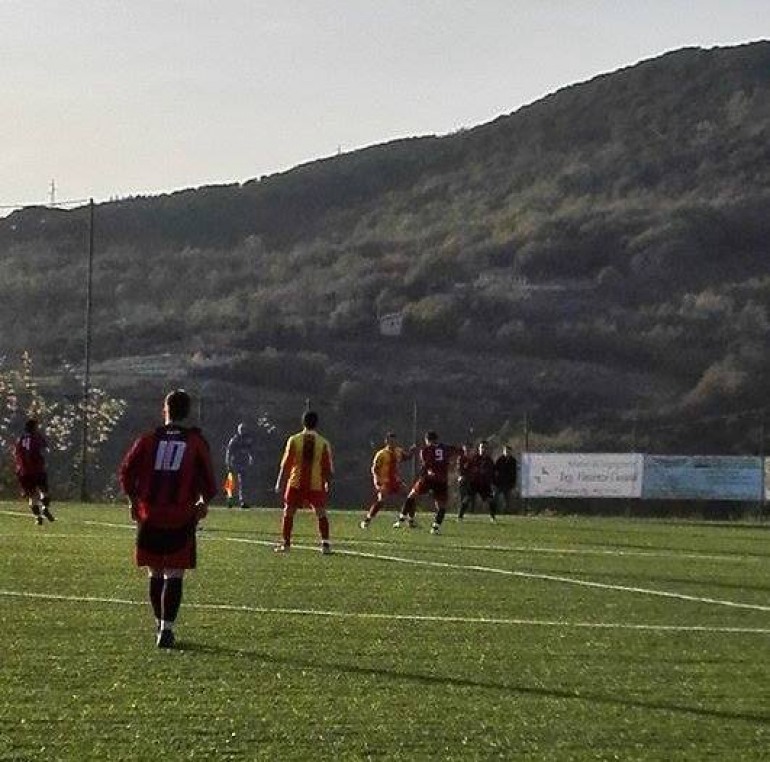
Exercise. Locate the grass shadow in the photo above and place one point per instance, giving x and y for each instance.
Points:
(593, 697)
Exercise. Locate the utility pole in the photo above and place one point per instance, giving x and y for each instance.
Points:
(87, 358)
(414, 439)
(762, 462)
(526, 450)
(526, 431)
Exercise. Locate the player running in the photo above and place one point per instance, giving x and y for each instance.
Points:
(29, 454)
(388, 487)
(435, 459)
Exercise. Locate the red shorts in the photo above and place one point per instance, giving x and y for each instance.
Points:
(429, 485)
(391, 494)
(163, 548)
(391, 488)
(295, 497)
(32, 484)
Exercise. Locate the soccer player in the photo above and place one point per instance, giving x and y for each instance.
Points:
(505, 477)
(480, 473)
(463, 477)
(435, 459)
(388, 487)
(169, 481)
(304, 477)
(239, 457)
(29, 454)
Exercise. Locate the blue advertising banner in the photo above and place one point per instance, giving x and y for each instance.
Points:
(702, 477)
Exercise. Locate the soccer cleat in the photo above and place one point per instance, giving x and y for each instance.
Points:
(435, 529)
(492, 520)
(460, 517)
(244, 506)
(326, 549)
(39, 520)
(47, 514)
(165, 639)
(364, 524)
(398, 523)
(282, 548)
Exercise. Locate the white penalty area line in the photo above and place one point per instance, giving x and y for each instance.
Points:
(493, 570)
(528, 575)
(362, 615)
(614, 552)
(533, 549)
(524, 549)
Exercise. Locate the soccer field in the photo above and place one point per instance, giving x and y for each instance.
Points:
(535, 638)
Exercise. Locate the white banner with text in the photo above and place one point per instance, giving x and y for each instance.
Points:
(617, 475)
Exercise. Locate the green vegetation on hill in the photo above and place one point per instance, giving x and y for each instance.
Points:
(616, 229)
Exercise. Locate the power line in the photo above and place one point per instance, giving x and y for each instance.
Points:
(67, 202)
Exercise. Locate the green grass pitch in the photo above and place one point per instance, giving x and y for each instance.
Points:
(535, 638)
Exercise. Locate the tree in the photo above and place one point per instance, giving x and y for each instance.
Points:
(21, 398)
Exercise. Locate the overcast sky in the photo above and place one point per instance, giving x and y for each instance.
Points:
(111, 98)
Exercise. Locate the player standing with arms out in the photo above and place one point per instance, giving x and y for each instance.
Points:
(433, 479)
(29, 454)
(388, 487)
(169, 480)
(304, 477)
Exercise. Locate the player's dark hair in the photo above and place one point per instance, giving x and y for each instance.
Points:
(30, 425)
(178, 404)
(310, 419)
(431, 436)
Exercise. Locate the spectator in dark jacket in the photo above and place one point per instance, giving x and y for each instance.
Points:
(505, 478)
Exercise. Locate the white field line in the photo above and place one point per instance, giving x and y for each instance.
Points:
(506, 572)
(613, 552)
(527, 575)
(534, 549)
(331, 614)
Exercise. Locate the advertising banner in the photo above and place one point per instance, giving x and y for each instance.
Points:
(767, 479)
(702, 477)
(581, 475)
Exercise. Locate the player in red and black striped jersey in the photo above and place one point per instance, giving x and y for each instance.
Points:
(169, 480)
(435, 460)
(29, 455)
(478, 476)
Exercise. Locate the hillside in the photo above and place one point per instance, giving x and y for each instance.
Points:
(596, 261)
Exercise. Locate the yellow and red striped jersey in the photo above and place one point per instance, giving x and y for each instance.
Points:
(307, 461)
(385, 465)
